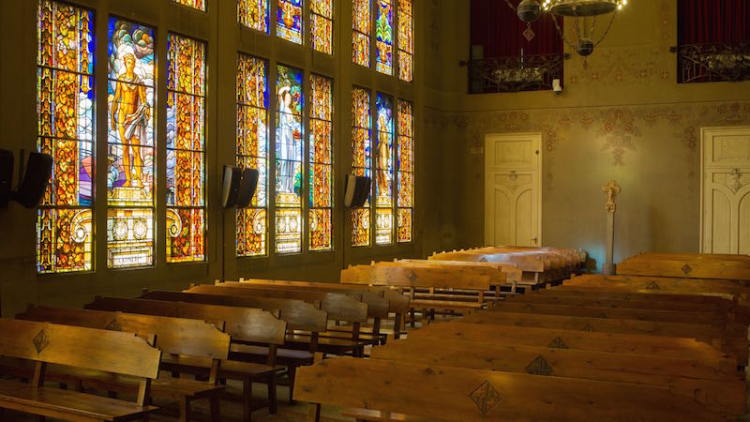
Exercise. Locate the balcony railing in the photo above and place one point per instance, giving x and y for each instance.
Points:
(713, 62)
(515, 74)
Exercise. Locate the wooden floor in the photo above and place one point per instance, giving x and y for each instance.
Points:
(230, 410)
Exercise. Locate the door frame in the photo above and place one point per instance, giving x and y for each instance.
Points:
(492, 137)
(705, 131)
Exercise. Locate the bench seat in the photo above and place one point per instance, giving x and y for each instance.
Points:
(444, 304)
(229, 368)
(65, 404)
(378, 416)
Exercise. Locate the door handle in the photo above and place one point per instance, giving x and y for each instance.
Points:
(535, 239)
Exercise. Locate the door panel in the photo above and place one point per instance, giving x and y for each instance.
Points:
(513, 190)
(725, 218)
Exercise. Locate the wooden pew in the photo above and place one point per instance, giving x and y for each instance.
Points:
(698, 266)
(498, 279)
(637, 344)
(176, 337)
(83, 348)
(461, 394)
(532, 266)
(663, 285)
(244, 325)
(339, 307)
(430, 278)
(512, 274)
(722, 386)
(298, 350)
(398, 304)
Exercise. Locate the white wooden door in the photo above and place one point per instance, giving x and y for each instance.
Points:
(513, 190)
(725, 190)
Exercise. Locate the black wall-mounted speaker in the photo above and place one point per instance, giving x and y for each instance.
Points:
(6, 177)
(356, 190)
(230, 186)
(35, 180)
(248, 187)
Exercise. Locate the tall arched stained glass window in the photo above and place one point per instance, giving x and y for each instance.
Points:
(289, 20)
(384, 35)
(321, 163)
(195, 4)
(131, 142)
(361, 161)
(405, 40)
(65, 103)
(384, 172)
(321, 25)
(252, 152)
(405, 166)
(289, 135)
(361, 24)
(253, 14)
(186, 158)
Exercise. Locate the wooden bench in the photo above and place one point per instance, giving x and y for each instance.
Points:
(664, 285)
(435, 279)
(428, 393)
(83, 348)
(723, 388)
(398, 304)
(636, 344)
(176, 337)
(338, 306)
(698, 266)
(244, 325)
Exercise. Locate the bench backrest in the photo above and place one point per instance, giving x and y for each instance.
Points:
(87, 348)
(496, 276)
(663, 284)
(439, 278)
(511, 271)
(470, 395)
(705, 268)
(397, 302)
(298, 314)
(532, 264)
(339, 306)
(243, 324)
(176, 335)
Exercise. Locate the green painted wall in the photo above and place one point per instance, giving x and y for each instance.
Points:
(622, 117)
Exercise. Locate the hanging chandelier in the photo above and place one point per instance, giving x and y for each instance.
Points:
(584, 12)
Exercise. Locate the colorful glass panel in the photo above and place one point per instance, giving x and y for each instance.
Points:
(384, 173)
(289, 20)
(405, 166)
(321, 25)
(65, 105)
(195, 4)
(361, 161)
(405, 40)
(253, 14)
(362, 16)
(321, 163)
(186, 157)
(289, 135)
(130, 145)
(252, 152)
(384, 35)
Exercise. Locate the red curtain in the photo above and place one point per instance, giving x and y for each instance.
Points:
(713, 21)
(499, 31)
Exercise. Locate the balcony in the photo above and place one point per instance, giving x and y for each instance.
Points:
(515, 74)
(713, 62)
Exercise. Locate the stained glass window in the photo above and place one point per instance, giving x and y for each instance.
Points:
(361, 161)
(65, 103)
(289, 20)
(384, 173)
(252, 152)
(289, 135)
(253, 14)
(405, 40)
(195, 4)
(384, 35)
(362, 16)
(130, 145)
(321, 163)
(405, 166)
(186, 158)
(321, 25)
